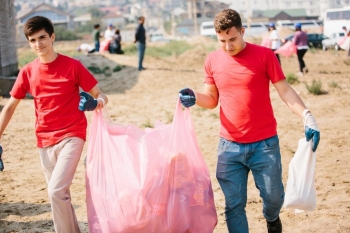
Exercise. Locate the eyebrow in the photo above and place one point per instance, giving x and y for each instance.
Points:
(232, 38)
(40, 37)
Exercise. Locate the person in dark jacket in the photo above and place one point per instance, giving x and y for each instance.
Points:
(140, 40)
(300, 40)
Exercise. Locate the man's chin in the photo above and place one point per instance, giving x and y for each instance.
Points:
(231, 52)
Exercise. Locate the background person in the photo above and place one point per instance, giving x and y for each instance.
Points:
(116, 43)
(238, 75)
(140, 40)
(86, 48)
(60, 126)
(108, 35)
(275, 40)
(300, 40)
(96, 34)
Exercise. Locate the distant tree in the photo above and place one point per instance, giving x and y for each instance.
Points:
(95, 12)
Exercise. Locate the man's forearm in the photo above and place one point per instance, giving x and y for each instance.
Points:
(206, 100)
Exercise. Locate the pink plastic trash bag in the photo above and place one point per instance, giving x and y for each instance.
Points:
(266, 42)
(287, 49)
(104, 46)
(144, 181)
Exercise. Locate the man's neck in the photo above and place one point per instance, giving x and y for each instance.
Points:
(48, 58)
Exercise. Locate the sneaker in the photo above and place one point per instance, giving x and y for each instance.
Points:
(306, 70)
(275, 226)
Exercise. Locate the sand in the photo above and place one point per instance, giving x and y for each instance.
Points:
(142, 97)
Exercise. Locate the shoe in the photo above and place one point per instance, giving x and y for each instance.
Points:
(143, 68)
(275, 226)
(300, 74)
(306, 70)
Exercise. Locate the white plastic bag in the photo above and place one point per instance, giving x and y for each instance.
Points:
(301, 192)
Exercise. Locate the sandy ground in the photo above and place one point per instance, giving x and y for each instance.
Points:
(142, 97)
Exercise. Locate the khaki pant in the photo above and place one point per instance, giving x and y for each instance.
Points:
(59, 163)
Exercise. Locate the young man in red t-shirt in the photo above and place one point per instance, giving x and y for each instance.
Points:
(239, 75)
(54, 81)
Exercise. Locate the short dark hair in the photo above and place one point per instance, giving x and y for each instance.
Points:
(36, 24)
(141, 18)
(96, 26)
(226, 19)
(117, 31)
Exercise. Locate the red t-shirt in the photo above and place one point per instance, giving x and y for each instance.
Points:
(242, 81)
(55, 88)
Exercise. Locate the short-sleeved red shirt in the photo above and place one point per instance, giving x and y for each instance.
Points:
(243, 82)
(55, 88)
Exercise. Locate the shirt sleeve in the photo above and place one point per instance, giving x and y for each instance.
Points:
(274, 70)
(85, 79)
(209, 79)
(21, 86)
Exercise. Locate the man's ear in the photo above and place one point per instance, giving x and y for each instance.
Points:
(242, 31)
(53, 37)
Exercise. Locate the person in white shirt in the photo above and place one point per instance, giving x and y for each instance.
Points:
(109, 33)
(275, 41)
(86, 48)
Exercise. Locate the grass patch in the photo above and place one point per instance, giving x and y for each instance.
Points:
(347, 62)
(28, 56)
(147, 124)
(333, 84)
(25, 57)
(168, 49)
(214, 115)
(315, 88)
(292, 78)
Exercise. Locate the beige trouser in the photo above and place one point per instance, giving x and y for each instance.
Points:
(59, 163)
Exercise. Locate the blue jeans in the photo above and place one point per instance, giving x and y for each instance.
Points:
(235, 161)
(141, 52)
(97, 46)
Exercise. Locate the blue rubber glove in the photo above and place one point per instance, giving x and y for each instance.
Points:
(87, 102)
(1, 163)
(311, 129)
(187, 97)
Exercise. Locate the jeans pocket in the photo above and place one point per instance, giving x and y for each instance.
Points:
(271, 142)
(223, 145)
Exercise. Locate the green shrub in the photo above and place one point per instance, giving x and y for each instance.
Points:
(64, 34)
(95, 69)
(117, 68)
(315, 88)
(292, 78)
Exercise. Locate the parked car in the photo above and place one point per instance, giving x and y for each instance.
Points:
(333, 41)
(314, 39)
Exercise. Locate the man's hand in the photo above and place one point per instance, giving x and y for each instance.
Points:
(1, 163)
(87, 102)
(311, 129)
(187, 97)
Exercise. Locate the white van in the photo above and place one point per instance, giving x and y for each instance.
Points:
(207, 29)
(305, 24)
(255, 28)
